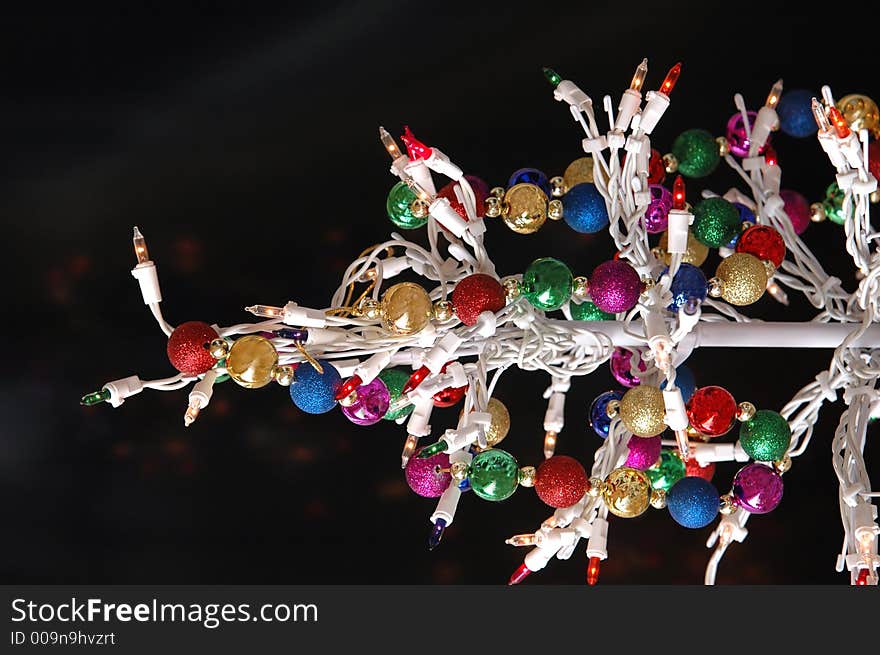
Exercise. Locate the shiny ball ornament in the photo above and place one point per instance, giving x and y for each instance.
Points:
(743, 277)
(313, 392)
(578, 172)
(737, 139)
(627, 492)
(684, 381)
(712, 411)
(395, 379)
(656, 168)
(494, 474)
(693, 502)
(694, 470)
(642, 411)
(547, 284)
(531, 176)
(657, 214)
(622, 367)
(599, 419)
(525, 208)
(398, 206)
(476, 294)
(615, 286)
(696, 252)
(643, 452)
(584, 209)
(716, 222)
(428, 477)
(797, 208)
(481, 192)
(450, 395)
(833, 204)
(561, 481)
(874, 158)
(251, 361)
(696, 152)
(757, 488)
(763, 242)
(667, 471)
(189, 348)
(745, 214)
(219, 348)
(766, 436)
(587, 311)
(860, 113)
(688, 283)
(370, 404)
(796, 114)
(500, 423)
(406, 309)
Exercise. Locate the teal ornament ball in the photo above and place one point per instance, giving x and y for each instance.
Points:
(716, 222)
(398, 207)
(696, 152)
(494, 474)
(766, 436)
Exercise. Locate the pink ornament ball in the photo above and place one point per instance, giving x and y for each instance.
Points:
(615, 286)
(621, 367)
(424, 477)
(798, 209)
(371, 404)
(643, 452)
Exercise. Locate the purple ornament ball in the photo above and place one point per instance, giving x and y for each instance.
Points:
(643, 452)
(621, 367)
(757, 488)
(798, 209)
(657, 214)
(736, 134)
(423, 476)
(371, 404)
(615, 286)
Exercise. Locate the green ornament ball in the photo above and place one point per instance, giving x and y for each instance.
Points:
(716, 222)
(394, 379)
(587, 311)
(666, 472)
(696, 152)
(398, 207)
(494, 474)
(833, 204)
(766, 436)
(547, 283)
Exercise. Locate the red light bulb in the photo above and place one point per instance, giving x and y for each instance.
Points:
(415, 148)
(450, 395)
(416, 379)
(519, 575)
(862, 578)
(670, 79)
(593, 571)
(839, 122)
(678, 195)
(770, 156)
(348, 387)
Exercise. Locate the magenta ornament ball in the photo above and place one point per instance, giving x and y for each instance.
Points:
(643, 452)
(657, 214)
(621, 367)
(371, 404)
(798, 209)
(424, 476)
(757, 488)
(615, 286)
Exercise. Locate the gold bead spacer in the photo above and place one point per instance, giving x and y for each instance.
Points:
(745, 411)
(527, 476)
(512, 289)
(581, 287)
(782, 465)
(283, 375)
(554, 210)
(459, 471)
(494, 207)
(658, 499)
(817, 212)
(875, 196)
(716, 287)
(349, 400)
(596, 486)
(418, 208)
(723, 146)
(612, 408)
(369, 308)
(727, 505)
(218, 348)
(557, 186)
(670, 162)
(498, 191)
(443, 310)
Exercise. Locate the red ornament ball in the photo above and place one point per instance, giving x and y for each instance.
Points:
(874, 158)
(561, 481)
(692, 469)
(763, 242)
(712, 411)
(188, 347)
(450, 395)
(481, 192)
(656, 168)
(476, 294)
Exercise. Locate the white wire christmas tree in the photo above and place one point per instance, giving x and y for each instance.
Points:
(394, 352)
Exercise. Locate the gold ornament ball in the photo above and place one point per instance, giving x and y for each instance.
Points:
(251, 361)
(578, 171)
(642, 411)
(627, 492)
(860, 112)
(500, 424)
(743, 278)
(525, 208)
(695, 254)
(406, 309)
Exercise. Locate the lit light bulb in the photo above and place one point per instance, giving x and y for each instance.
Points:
(678, 194)
(521, 540)
(436, 534)
(349, 387)
(409, 447)
(552, 76)
(681, 438)
(293, 334)
(774, 95)
(670, 80)
(95, 398)
(639, 76)
(593, 571)
(549, 444)
(266, 311)
(862, 578)
(777, 292)
(433, 449)
(140, 246)
(415, 148)
(819, 115)
(839, 122)
(519, 575)
(417, 189)
(192, 412)
(389, 143)
(770, 156)
(416, 379)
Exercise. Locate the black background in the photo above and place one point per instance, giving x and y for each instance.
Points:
(244, 146)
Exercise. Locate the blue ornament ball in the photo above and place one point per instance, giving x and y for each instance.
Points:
(689, 282)
(599, 419)
(583, 208)
(796, 113)
(745, 214)
(684, 380)
(315, 392)
(530, 176)
(693, 502)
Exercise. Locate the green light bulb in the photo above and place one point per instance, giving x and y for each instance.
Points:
(552, 76)
(95, 398)
(433, 449)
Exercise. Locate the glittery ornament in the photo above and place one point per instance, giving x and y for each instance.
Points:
(716, 222)
(860, 113)
(476, 294)
(583, 208)
(694, 470)
(656, 168)
(371, 402)
(494, 474)
(406, 309)
(547, 283)
(697, 153)
(737, 139)
(599, 419)
(627, 492)
(500, 424)
(188, 347)
(744, 278)
(657, 214)
(398, 205)
(394, 379)
(481, 192)
(621, 367)
(797, 208)
(684, 381)
(643, 452)
(587, 311)
(561, 481)
(695, 253)
(251, 361)
(578, 172)
(874, 158)
(796, 114)
(615, 286)
(530, 176)
(712, 411)
(757, 488)
(667, 471)
(424, 477)
(833, 204)
(642, 411)
(688, 283)
(313, 392)
(693, 502)
(766, 436)
(525, 208)
(763, 242)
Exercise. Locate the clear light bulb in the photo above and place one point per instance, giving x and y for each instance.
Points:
(549, 444)
(409, 447)
(389, 143)
(140, 246)
(266, 311)
(774, 95)
(521, 540)
(819, 115)
(639, 76)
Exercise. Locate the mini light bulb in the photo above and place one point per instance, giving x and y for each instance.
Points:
(639, 76)
(433, 449)
(681, 438)
(416, 379)
(839, 122)
(552, 76)
(266, 311)
(593, 571)
(349, 387)
(777, 292)
(819, 115)
(522, 540)
(409, 447)
(678, 194)
(293, 334)
(389, 143)
(140, 246)
(519, 575)
(774, 95)
(95, 398)
(415, 148)
(192, 412)
(417, 189)
(670, 80)
(549, 444)
(436, 534)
